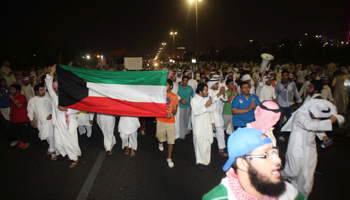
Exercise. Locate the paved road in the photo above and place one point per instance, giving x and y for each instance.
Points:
(30, 174)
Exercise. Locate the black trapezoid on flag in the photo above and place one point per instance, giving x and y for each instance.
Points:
(71, 87)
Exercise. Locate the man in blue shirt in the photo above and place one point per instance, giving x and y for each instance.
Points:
(4, 99)
(243, 106)
(5, 110)
(185, 92)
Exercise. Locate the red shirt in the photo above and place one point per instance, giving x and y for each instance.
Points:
(19, 114)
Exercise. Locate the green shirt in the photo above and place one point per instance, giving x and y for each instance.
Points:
(228, 105)
(185, 93)
(220, 193)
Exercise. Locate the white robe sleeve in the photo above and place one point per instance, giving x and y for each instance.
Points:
(72, 111)
(196, 110)
(315, 125)
(30, 109)
(48, 82)
(50, 106)
(320, 135)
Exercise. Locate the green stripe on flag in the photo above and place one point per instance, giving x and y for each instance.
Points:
(120, 77)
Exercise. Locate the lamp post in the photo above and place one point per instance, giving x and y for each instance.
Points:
(197, 28)
(173, 34)
(163, 47)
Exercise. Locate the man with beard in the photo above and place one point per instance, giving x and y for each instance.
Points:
(252, 170)
(202, 125)
(314, 90)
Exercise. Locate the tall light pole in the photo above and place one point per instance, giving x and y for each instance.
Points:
(197, 28)
(173, 34)
(163, 47)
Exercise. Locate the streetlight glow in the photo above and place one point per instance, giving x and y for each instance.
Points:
(171, 33)
(101, 56)
(175, 33)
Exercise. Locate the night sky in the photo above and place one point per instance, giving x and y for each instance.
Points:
(141, 26)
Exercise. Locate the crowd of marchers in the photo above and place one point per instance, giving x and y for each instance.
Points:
(253, 105)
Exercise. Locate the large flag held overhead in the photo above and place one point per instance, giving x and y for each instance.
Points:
(132, 93)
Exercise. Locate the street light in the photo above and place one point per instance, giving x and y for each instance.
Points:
(173, 34)
(197, 27)
(163, 43)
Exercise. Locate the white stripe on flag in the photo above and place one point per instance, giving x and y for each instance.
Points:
(132, 93)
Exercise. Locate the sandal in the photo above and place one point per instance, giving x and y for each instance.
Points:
(127, 151)
(109, 153)
(53, 157)
(48, 153)
(74, 164)
(223, 154)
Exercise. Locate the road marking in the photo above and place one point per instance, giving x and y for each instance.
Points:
(85, 190)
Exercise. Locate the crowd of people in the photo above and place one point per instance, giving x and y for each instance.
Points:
(252, 104)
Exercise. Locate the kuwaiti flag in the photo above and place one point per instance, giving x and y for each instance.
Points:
(132, 93)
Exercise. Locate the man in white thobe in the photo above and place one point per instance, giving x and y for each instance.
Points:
(217, 95)
(177, 115)
(202, 125)
(85, 121)
(27, 89)
(265, 91)
(7, 74)
(193, 83)
(301, 155)
(326, 92)
(127, 128)
(41, 107)
(107, 124)
(65, 124)
(178, 76)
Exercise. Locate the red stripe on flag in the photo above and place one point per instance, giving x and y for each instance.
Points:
(120, 107)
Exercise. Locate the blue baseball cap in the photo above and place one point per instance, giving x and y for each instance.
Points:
(242, 142)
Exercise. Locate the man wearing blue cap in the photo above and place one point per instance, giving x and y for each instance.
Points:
(252, 170)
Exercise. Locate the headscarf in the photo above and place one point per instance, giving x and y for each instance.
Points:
(216, 76)
(212, 82)
(229, 75)
(246, 77)
(267, 114)
(189, 71)
(344, 70)
(324, 78)
(266, 78)
(315, 106)
(55, 85)
(170, 74)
